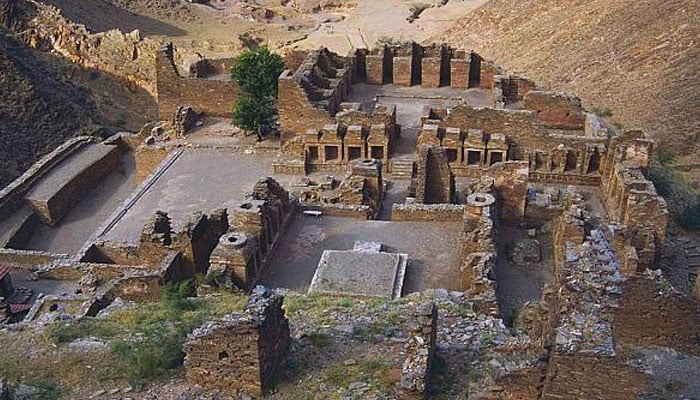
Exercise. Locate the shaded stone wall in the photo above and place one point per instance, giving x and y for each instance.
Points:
(12, 195)
(431, 66)
(556, 110)
(426, 212)
(588, 377)
(511, 180)
(295, 113)
(212, 97)
(240, 353)
(263, 220)
(631, 199)
(434, 180)
(479, 250)
(52, 204)
(650, 315)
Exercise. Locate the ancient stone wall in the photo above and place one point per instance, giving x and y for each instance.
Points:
(511, 182)
(420, 351)
(651, 314)
(590, 377)
(12, 195)
(426, 212)
(240, 353)
(434, 179)
(127, 55)
(295, 113)
(213, 97)
(52, 203)
(631, 199)
(479, 137)
(479, 251)
(556, 110)
(28, 259)
(430, 66)
(257, 224)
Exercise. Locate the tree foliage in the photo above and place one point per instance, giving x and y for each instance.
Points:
(256, 73)
(253, 113)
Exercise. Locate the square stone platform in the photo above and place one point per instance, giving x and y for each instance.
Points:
(360, 273)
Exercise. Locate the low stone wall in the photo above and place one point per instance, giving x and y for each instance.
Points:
(427, 212)
(419, 350)
(12, 196)
(339, 210)
(241, 352)
(55, 195)
(28, 259)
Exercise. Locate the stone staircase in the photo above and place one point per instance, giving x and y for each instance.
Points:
(402, 168)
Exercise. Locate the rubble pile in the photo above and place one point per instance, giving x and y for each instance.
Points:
(590, 293)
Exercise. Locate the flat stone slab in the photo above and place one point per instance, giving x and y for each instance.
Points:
(360, 273)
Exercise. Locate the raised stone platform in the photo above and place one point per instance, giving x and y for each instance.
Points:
(68, 183)
(363, 272)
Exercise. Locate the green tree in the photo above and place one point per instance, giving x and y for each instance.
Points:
(256, 73)
(252, 113)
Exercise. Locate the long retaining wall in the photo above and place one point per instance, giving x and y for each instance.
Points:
(12, 196)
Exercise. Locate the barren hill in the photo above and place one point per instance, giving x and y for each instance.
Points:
(46, 99)
(640, 58)
(39, 109)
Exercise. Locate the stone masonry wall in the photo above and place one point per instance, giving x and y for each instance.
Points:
(212, 97)
(419, 350)
(426, 212)
(434, 182)
(12, 196)
(240, 353)
(556, 110)
(650, 315)
(295, 113)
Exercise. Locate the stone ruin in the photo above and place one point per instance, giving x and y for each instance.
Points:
(359, 193)
(420, 351)
(241, 256)
(241, 352)
(522, 158)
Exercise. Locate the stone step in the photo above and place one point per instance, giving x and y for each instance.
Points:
(402, 169)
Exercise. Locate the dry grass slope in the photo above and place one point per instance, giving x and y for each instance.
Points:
(640, 58)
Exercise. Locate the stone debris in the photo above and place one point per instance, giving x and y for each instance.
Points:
(592, 287)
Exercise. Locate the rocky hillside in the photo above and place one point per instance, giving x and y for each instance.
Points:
(639, 58)
(39, 109)
(46, 98)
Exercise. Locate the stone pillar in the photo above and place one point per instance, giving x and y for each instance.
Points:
(371, 170)
(240, 353)
(476, 202)
(234, 262)
(376, 67)
(459, 70)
